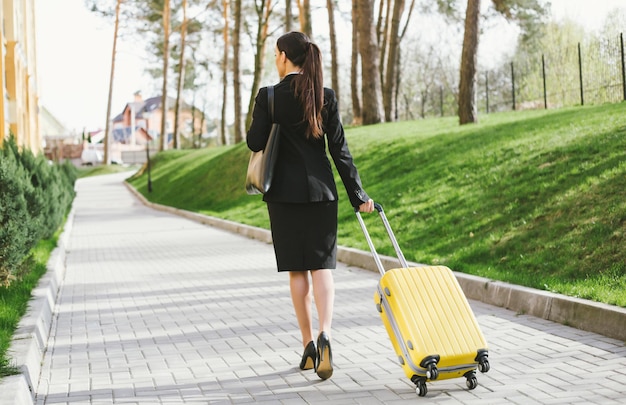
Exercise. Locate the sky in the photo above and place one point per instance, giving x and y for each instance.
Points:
(74, 49)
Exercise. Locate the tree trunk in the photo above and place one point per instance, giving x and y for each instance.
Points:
(288, 16)
(166, 57)
(193, 121)
(408, 19)
(467, 86)
(107, 127)
(305, 17)
(237, 72)
(202, 121)
(382, 33)
(389, 99)
(263, 9)
(334, 68)
(181, 74)
(396, 94)
(225, 33)
(370, 79)
(357, 119)
(379, 22)
(399, 64)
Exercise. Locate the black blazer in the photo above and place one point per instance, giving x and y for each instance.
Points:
(303, 173)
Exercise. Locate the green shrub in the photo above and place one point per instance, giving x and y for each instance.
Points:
(15, 240)
(34, 198)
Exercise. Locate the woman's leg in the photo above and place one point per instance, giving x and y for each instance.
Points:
(324, 293)
(301, 298)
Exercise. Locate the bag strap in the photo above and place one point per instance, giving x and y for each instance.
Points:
(270, 101)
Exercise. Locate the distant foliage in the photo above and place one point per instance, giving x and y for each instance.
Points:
(34, 198)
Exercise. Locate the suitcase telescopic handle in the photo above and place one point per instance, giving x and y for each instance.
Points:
(390, 233)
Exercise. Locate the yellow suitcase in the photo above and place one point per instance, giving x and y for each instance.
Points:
(429, 321)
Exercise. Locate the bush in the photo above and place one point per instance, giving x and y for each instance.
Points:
(34, 199)
(14, 218)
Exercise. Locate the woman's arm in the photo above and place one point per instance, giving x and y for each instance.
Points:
(338, 148)
(259, 131)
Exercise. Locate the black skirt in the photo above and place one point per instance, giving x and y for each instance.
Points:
(304, 235)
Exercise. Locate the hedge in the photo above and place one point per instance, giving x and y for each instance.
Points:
(35, 196)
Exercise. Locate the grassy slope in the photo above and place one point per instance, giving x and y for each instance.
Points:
(535, 198)
(89, 171)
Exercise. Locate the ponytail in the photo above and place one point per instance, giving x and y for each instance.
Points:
(309, 84)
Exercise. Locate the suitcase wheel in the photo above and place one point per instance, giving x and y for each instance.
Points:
(430, 364)
(483, 361)
(420, 383)
(421, 389)
(471, 381)
(433, 372)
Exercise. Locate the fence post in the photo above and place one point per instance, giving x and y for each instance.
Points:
(487, 90)
(580, 75)
(621, 41)
(513, 84)
(543, 72)
(441, 99)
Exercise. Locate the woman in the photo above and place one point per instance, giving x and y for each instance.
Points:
(302, 200)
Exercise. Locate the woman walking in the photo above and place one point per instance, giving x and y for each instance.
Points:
(302, 200)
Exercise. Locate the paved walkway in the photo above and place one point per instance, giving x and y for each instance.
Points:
(157, 309)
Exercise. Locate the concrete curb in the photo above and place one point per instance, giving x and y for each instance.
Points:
(31, 337)
(607, 320)
(591, 316)
(14, 390)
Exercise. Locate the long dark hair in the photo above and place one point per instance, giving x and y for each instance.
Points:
(309, 85)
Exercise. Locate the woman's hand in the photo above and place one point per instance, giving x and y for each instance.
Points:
(367, 206)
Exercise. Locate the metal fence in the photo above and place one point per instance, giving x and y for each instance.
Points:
(593, 72)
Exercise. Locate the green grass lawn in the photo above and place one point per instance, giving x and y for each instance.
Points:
(14, 299)
(89, 171)
(535, 198)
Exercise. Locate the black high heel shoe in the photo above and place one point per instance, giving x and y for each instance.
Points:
(309, 358)
(324, 367)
